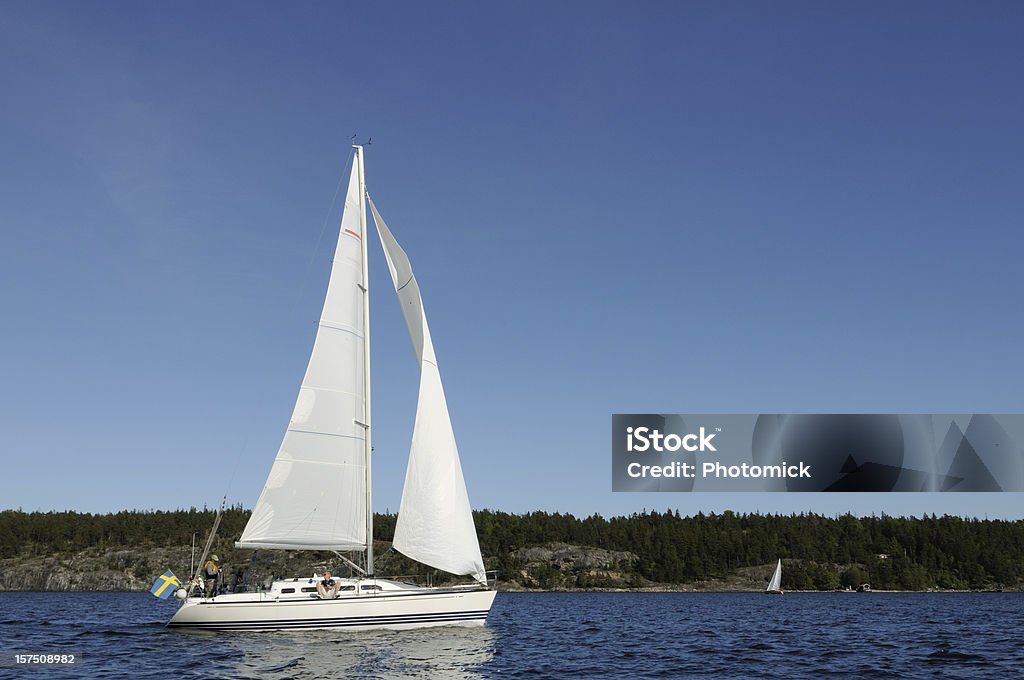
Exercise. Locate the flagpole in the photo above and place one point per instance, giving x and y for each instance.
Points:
(206, 549)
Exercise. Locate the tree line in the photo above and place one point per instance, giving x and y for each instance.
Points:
(912, 553)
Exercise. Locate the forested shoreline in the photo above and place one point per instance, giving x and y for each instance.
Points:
(559, 551)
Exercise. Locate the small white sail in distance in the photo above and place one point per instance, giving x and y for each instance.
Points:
(776, 582)
(435, 520)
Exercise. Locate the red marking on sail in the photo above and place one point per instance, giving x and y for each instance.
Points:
(349, 231)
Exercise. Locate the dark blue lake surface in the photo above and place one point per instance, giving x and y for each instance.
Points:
(552, 635)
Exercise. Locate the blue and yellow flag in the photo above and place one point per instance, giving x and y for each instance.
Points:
(165, 585)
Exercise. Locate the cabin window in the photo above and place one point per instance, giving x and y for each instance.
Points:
(369, 587)
(309, 590)
(287, 590)
(344, 588)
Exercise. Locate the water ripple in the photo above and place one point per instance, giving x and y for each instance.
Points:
(560, 635)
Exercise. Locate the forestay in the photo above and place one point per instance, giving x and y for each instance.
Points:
(435, 521)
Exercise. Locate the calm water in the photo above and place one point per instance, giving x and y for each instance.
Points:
(552, 635)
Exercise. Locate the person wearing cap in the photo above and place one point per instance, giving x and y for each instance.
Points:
(211, 572)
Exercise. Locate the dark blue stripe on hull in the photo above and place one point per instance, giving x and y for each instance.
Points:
(320, 626)
(342, 622)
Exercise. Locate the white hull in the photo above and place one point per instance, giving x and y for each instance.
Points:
(397, 606)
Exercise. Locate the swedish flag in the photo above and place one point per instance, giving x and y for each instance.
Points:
(165, 585)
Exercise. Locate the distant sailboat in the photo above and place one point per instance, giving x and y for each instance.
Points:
(318, 493)
(775, 584)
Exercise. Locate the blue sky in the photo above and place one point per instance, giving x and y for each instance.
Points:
(611, 207)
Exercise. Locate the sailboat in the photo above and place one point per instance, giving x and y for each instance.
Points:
(775, 584)
(318, 495)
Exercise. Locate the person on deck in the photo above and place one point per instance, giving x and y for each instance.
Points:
(328, 587)
(211, 572)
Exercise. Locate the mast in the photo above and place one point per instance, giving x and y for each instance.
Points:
(366, 360)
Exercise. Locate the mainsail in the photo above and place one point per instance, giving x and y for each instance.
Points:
(315, 496)
(435, 521)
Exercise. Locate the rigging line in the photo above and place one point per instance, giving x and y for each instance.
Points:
(234, 470)
(327, 216)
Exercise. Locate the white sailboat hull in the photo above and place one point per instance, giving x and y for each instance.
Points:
(397, 610)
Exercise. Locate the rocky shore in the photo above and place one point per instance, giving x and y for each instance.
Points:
(555, 566)
(551, 567)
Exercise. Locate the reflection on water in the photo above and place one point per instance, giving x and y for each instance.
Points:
(443, 652)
